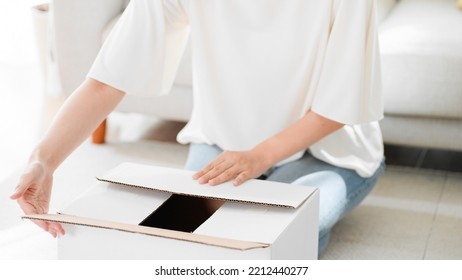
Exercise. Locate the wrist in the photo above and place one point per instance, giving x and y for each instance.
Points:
(38, 156)
(265, 156)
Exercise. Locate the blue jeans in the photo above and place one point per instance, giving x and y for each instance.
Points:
(341, 189)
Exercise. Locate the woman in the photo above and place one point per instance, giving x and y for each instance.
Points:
(284, 89)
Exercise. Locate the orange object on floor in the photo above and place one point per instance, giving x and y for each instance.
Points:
(99, 135)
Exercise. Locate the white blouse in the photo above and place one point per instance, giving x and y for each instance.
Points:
(258, 66)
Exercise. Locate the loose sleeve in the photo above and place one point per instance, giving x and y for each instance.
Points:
(142, 53)
(349, 88)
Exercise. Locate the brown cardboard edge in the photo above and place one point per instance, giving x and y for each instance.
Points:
(224, 199)
(164, 233)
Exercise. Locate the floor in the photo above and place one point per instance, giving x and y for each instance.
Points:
(415, 212)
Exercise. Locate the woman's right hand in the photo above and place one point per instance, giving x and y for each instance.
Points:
(77, 118)
(33, 194)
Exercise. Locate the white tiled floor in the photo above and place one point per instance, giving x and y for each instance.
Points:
(412, 213)
(403, 219)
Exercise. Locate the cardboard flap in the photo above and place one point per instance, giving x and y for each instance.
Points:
(203, 239)
(180, 182)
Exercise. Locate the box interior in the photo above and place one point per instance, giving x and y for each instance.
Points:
(182, 213)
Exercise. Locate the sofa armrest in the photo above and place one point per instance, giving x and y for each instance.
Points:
(384, 7)
(76, 28)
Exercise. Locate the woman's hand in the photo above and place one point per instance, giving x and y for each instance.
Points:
(242, 166)
(33, 194)
(236, 166)
(79, 116)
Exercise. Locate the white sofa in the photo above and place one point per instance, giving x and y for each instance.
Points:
(421, 47)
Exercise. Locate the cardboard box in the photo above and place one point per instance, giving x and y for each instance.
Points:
(145, 212)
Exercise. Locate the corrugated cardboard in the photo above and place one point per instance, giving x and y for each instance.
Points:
(258, 220)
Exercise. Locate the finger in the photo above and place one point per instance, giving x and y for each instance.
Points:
(208, 167)
(51, 227)
(225, 176)
(42, 224)
(24, 183)
(30, 209)
(241, 178)
(215, 172)
(204, 170)
(202, 176)
(21, 188)
(57, 227)
(52, 231)
(17, 193)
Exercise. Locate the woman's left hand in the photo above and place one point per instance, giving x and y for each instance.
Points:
(236, 166)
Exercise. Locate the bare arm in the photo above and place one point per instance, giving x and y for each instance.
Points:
(82, 112)
(297, 137)
(241, 166)
(85, 109)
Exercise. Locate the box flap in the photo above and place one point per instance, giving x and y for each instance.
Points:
(181, 182)
(203, 239)
(110, 202)
(258, 223)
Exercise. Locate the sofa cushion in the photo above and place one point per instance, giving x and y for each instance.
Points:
(421, 47)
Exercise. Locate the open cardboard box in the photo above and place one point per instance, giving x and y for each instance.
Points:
(146, 212)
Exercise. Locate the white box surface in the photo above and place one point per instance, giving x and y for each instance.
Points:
(258, 220)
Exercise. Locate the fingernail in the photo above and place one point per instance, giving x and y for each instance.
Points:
(61, 231)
